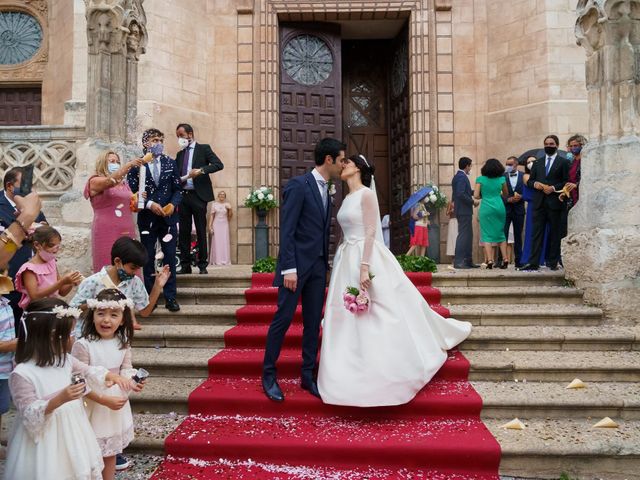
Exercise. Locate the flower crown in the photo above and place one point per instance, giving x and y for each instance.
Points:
(114, 304)
(62, 312)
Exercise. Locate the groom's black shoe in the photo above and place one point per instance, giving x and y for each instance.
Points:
(272, 389)
(310, 386)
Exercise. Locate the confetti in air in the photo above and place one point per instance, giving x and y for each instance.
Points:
(118, 213)
(167, 238)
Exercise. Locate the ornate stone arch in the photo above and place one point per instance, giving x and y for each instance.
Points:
(32, 69)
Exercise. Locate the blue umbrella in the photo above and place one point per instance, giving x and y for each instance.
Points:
(415, 198)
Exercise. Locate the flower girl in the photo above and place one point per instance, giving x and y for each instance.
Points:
(52, 436)
(106, 342)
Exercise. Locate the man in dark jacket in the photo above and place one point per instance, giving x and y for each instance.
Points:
(463, 209)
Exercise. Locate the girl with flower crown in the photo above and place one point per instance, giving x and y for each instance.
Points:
(52, 436)
(106, 342)
(39, 277)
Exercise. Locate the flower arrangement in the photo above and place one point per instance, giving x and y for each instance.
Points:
(261, 198)
(331, 188)
(355, 301)
(436, 199)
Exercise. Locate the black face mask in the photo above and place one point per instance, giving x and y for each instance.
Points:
(550, 150)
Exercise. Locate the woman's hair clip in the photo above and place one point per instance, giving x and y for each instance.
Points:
(364, 159)
(115, 304)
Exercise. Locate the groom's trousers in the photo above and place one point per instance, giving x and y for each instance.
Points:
(311, 287)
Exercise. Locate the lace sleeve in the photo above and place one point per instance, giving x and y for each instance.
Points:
(370, 219)
(30, 407)
(80, 352)
(94, 374)
(126, 369)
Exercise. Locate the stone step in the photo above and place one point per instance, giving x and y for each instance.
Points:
(192, 315)
(211, 296)
(163, 395)
(526, 400)
(235, 276)
(548, 366)
(601, 338)
(151, 430)
(528, 315)
(446, 277)
(174, 362)
(181, 336)
(546, 448)
(510, 295)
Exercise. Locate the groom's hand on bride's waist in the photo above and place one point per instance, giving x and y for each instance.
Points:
(291, 281)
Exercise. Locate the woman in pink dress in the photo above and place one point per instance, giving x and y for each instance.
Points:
(221, 213)
(110, 196)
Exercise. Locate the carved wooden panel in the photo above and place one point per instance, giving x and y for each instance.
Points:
(20, 106)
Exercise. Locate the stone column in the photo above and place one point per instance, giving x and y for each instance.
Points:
(602, 251)
(116, 37)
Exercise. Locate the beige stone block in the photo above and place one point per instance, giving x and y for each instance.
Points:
(445, 121)
(245, 215)
(192, 84)
(445, 155)
(225, 36)
(245, 35)
(445, 63)
(245, 67)
(465, 102)
(445, 101)
(245, 157)
(445, 138)
(245, 138)
(444, 29)
(245, 83)
(445, 82)
(245, 255)
(245, 53)
(245, 119)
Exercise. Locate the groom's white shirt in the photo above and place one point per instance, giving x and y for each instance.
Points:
(318, 177)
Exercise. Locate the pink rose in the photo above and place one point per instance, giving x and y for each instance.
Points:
(346, 304)
(348, 297)
(353, 308)
(362, 299)
(363, 308)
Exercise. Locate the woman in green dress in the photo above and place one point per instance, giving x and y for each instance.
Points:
(491, 187)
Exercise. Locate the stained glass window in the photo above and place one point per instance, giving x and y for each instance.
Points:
(307, 60)
(20, 37)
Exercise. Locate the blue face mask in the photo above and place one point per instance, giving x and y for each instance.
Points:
(156, 149)
(508, 169)
(576, 150)
(123, 275)
(113, 167)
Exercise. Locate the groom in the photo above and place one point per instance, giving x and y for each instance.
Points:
(302, 264)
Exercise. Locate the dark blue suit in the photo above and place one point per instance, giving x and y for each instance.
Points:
(515, 214)
(168, 190)
(462, 197)
(304, 245)
(22, 255)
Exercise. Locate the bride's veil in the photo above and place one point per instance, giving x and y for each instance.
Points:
(379, 236)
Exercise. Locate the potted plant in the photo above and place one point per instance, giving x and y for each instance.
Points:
(262, 200)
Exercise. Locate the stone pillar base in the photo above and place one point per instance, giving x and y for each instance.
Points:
(601, 253)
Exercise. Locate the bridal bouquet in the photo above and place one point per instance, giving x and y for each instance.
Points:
(355, 301)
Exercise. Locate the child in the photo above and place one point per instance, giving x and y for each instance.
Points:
(39, 277)
(52, 437)
(106, 342)
(127, 257)
(7, 347)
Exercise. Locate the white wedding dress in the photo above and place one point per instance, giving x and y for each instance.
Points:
(387, 355)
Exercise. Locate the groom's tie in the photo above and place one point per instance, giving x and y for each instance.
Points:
(323, 194)
(547, 166)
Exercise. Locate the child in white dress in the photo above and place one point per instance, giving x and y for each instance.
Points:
(106, 342)
(52, 437)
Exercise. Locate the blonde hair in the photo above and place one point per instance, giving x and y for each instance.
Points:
(103, 160)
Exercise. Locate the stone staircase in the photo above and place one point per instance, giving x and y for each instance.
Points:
(533, 334)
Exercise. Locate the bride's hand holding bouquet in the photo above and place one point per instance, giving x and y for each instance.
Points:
(365, 277)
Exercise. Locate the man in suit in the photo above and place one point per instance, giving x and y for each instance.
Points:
(195, 162)
(464, 202)
(303, 262)
(158, 220)
(548, 177)
(514, 206)
(8, 215)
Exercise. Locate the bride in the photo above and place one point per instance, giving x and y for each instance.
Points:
(386, 355)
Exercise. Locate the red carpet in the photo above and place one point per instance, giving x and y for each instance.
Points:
(233, 431)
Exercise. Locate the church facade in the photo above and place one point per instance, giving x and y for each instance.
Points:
(411, 84)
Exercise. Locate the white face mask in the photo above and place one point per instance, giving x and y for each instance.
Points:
(183, 142)
(530, 165)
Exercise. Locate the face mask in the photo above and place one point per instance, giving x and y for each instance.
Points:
(183, 142)
(550, 150)
(123, 275)
(156, 149)
(113, 167)
(576, 150)
(47, 256)
(508, 169)
(530, 165)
